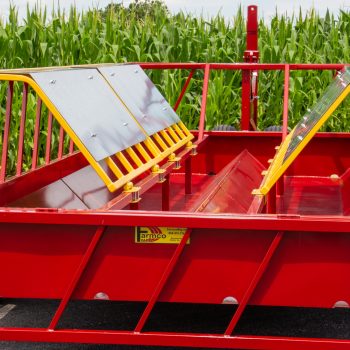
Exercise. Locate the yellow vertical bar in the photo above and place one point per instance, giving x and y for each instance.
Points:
(134, 156)
(152, 147)
(160, 141)
(184, 128)
(173, 134)
(124, 161)
(116, 171)
(179, 131)
(167, 138)
(143, 152)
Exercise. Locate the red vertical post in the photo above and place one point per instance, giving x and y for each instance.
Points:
(22, 130)
(271, 205)
(245, 117)
(60, 144)
(285, 102)
(252, 30)
(48, 139)
(280, 182)
(5, 142)
(249, 85)
(71, 146)
(166, 194)
(36, 133)
(204, 102)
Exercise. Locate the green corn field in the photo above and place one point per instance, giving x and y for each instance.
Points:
(117, 34)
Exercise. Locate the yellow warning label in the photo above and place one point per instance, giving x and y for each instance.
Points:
(155, 234)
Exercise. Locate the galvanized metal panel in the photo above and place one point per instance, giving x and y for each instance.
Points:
(92, 109)
(141, 96)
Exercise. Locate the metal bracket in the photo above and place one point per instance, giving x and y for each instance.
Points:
(134, 190)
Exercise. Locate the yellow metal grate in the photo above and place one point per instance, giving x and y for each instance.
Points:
(127, 162)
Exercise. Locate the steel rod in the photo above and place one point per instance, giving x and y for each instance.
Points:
(22, 127)
(48, 139)
(60, 143)
(184, 89)
(162, 282)
(77, 276)
(285, 102)
(253, 284)
(36, 134)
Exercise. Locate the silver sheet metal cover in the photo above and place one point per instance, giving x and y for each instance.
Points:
(141, 96)
(92, 109)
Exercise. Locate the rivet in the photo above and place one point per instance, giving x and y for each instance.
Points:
(230, 300)
(136, 71)
(90, 77)
(52, 81)
(165, 108)
(112, 74)
(101, 296)
(125, 124)
(93, 134)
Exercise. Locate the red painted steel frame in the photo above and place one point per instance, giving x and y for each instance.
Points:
(172, 339)
(260, 253)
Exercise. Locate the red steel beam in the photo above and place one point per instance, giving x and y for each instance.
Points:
(285, 102)
(183, 91)
(275, 66)
(177, 219)
(252, 28)
(171, 339)
(253, 284)
(245, 99)
(77, 276)
(162, 282)
(238, 66)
